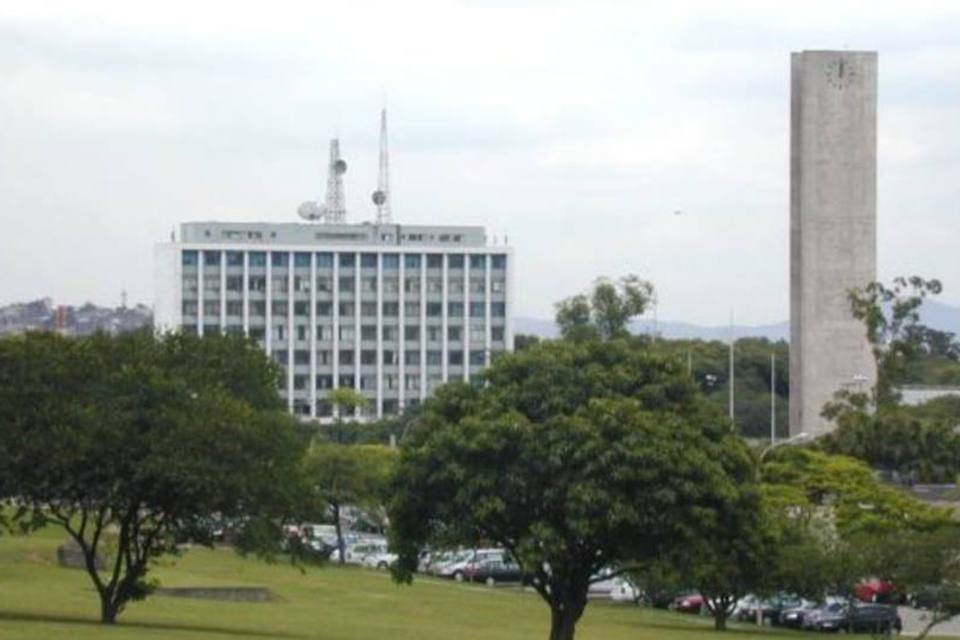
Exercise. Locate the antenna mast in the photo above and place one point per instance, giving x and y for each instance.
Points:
(381, 197)
(336, 207)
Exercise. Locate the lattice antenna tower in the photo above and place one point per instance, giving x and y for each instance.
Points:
(381, 197)
(336, 206)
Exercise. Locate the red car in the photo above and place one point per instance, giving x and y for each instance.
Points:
(688, 603)
(874, 590)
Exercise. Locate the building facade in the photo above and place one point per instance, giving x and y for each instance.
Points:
(393, 311)
(833, 227)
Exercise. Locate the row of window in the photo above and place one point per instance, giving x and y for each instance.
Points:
(278, 308)
(301, 259)
(368, 333)
(347, 357)
(301, 284)
(391, 382)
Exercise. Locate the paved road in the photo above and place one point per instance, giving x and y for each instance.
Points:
(914, 620)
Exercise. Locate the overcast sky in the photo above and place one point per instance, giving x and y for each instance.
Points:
(575, 128)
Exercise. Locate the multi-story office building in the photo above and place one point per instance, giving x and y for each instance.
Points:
(391, 310)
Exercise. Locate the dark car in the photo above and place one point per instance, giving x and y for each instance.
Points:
(688, 603)
(493, 572)
(932, 596)
(793, 617)
(863, 618)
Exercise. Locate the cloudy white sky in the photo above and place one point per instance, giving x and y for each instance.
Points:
(575, 128)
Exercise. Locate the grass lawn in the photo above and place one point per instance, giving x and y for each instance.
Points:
(38, 599)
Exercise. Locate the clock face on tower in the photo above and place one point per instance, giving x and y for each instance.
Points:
(840, 73)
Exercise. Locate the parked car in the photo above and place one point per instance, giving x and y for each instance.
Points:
(930, 596)
(492, 571)
(625, 591)
(458, 570)
(793, 617)
(860, 618)
(688, 603)
(355, 553)
(379, 559)
(812, 617)
(874, 590)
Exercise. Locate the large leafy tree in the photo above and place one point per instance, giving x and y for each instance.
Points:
(133, 444)
(606, 310)
(341, 474)
(575, 456)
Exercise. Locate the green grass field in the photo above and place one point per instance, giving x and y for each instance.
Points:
(38, 599)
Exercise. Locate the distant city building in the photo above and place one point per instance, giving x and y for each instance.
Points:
(833, 222)
(44, 315)
(391, 310)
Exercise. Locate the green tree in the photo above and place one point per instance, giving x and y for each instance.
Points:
(347, 403)
(340, 474)
(606, 310)
(574, 456)
(143, 438)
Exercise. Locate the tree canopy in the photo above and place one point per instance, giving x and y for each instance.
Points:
(150, 439)
(576, 455)
(606, 310)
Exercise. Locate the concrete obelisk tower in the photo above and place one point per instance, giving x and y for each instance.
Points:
(833, 223)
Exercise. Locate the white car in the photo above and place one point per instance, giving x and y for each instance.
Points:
(379, 560)
(355, 553)
(458, 569)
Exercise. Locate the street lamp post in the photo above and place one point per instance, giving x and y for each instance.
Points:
(797, 439)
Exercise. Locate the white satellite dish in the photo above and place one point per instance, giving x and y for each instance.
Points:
(311, 210)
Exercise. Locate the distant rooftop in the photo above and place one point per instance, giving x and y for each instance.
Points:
(293, 233)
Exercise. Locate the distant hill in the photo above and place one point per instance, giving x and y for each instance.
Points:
(934, 314)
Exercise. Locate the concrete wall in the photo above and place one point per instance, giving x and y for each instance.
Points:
(833, 187)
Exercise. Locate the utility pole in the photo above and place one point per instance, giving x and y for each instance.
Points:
(732, 341)
(381, 197)
(773, 399)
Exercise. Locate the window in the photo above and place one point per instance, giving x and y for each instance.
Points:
(301, 260)
(477, 310)
(347, 381)
(279, 259)
(433, 334)
(497, 285)
(211, 329)
(412, 356)
(434, 357)
(189, 308)
(454, 334)
(498, 262)
(455, 309)
(434, 261)
(302, 333)
(456, 285)
(324, 409)
(300, 381)
(324, 332)
(391, 309)
(279, 332)
(279, 284)
(234, 329)
(389, 383)
(498, 309)
(434, 285)
(368, 284)
(390, 334)
(411, 285)
(391, 285)
(188, 258)
(234, 283)
(324, 261)
(234, 308)
(301, 284)
(324, 382)
(411, 261)
(456, 357)
(434, 380)
(324, 308)
(324, 357)
(257, 333)
(478, 285)
(411, 333)
(211, 283)
(389, 357)
(190, 284)
(434, 309)
(301, 357)
(368, 356)
(257, 283)
(347, 284)
(391, 261)
(211, 307)
(368, 332)
(455, 261)
(280, 357)
(346, 357)
(368, 382)
(258, 308)
(324, 284)
(368, 260)
(478, 333)
(347, 334)
(476, 357)
(301, 308)
(368, 309)
(346, 308)
(279, 307)
(348, 260)
(496, 334)
(234, 259)
(211, 258)
(478, 261)
(258, 259)
(411, 309)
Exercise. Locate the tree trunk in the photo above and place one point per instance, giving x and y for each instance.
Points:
(336, 523)
(108, 610)
(563, 623)
(720, 618)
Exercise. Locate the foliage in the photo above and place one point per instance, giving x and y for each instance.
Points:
(576, 455)
(604, 312)
(523, 341)
(142, 438)
(339, 475)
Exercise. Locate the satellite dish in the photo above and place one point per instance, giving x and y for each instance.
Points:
(310, 210)
(340, 166)
(379, 197)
